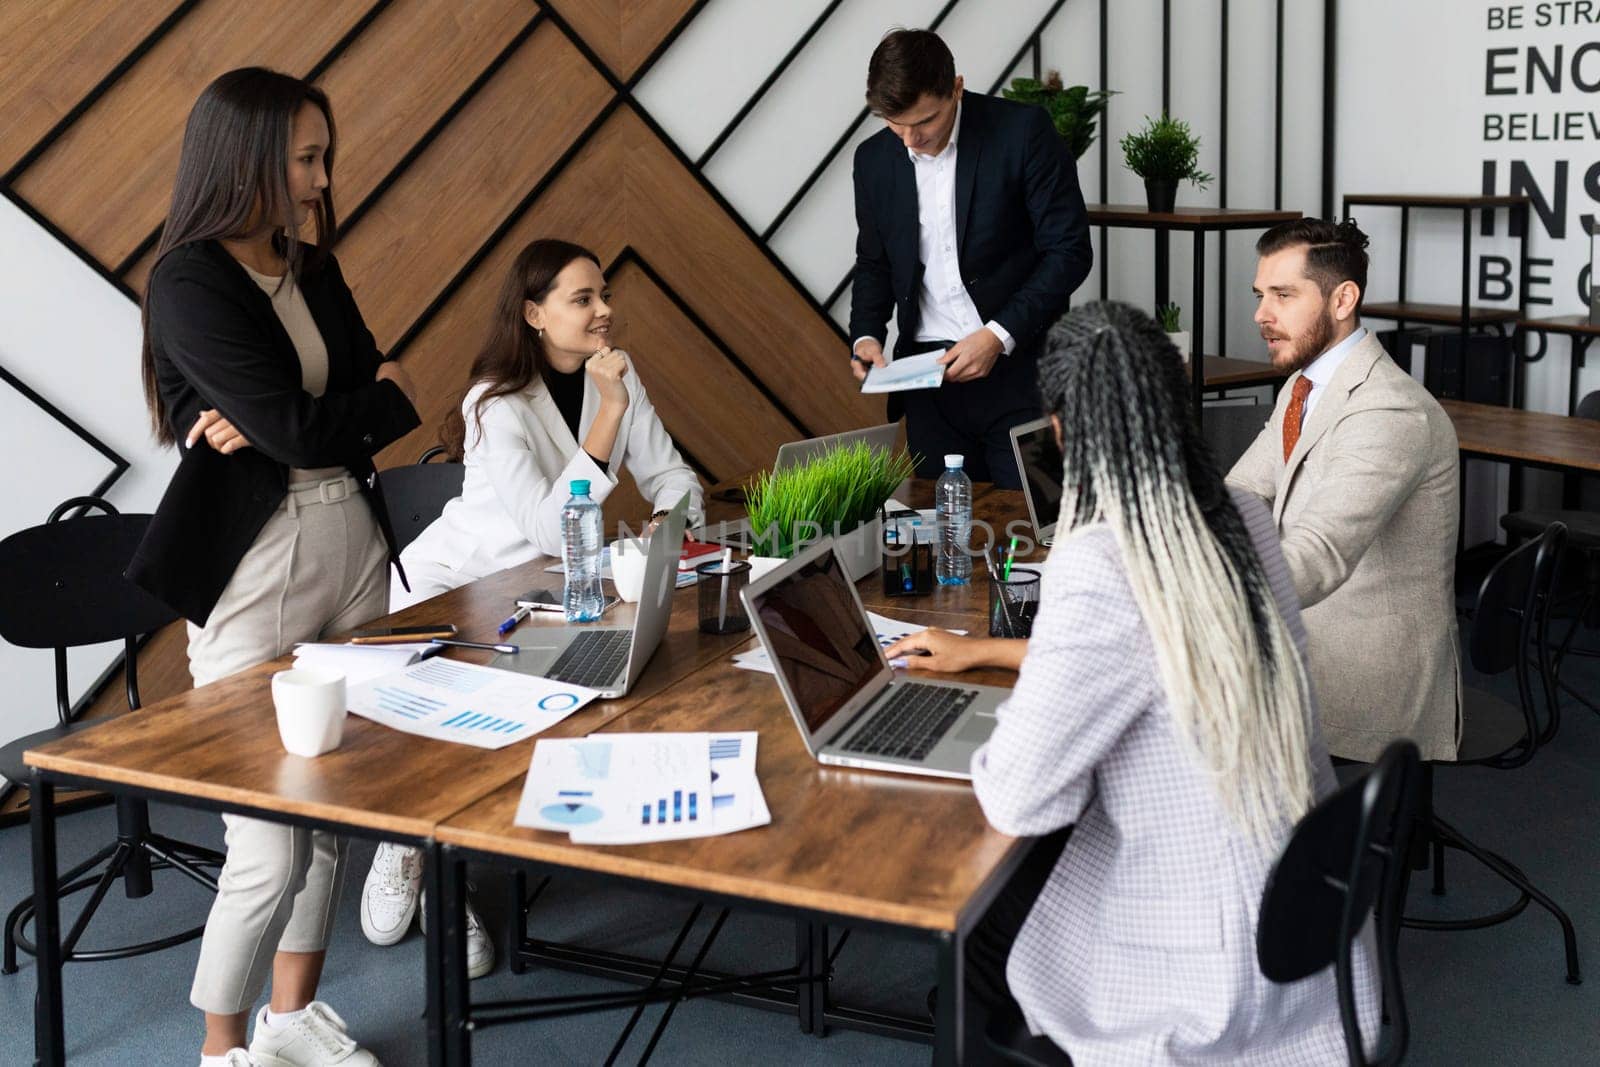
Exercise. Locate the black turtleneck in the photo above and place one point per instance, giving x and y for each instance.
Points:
(567, 391)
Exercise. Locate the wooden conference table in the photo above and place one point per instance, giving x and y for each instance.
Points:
(888, 852)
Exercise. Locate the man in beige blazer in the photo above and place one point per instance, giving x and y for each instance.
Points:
(1360, 465)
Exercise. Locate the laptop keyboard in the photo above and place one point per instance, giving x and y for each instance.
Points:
(911, 722)
(593, 659)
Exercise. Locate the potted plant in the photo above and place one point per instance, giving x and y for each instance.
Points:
(1170, 317)
(838, 495)
(1164, 153)
(1073, 110)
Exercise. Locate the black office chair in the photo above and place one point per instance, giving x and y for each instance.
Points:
(1576, 597)
(415, 495)
(1344, 860)
(64, 589)
(1510, 632)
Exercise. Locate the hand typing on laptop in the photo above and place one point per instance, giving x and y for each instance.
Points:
(940, 650)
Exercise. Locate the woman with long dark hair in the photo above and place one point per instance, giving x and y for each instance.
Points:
(1163, 719)
(256, 359)
(547, 401)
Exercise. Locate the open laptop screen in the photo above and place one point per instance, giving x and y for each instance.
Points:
(1041, 462)
(818, 639)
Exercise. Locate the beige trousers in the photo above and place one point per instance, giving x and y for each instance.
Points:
(315, 568)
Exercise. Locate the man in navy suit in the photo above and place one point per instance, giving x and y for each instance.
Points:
(972, 230)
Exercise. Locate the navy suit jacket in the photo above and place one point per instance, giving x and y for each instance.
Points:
(1022, 231)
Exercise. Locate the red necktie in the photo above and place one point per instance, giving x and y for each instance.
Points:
(1296, 413)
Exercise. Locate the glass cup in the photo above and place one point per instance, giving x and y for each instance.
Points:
(721, 609)
(1013, 602)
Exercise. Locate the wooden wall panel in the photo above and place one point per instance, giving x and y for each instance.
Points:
(428, 53)
(108, 182)
(708, 404)
(432, 221)
(623, 33)
(686, 236)
(53, 54)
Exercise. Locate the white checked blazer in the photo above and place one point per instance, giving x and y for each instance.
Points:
(1141, 947)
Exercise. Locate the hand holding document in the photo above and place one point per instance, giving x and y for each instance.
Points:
(629, 789)
(905, 373)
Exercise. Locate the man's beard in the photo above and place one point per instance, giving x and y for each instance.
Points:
(1311, 344)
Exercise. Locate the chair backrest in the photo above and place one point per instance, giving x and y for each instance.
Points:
(64, 587)
(1510, 628)
(1346, 859)
(415, 495)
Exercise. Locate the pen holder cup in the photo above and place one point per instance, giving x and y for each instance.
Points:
(907, 561)
(1013, 602)
(721, 609)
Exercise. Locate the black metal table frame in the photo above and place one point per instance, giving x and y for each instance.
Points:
(49, 1010)
(810, 976)
(1581, 340)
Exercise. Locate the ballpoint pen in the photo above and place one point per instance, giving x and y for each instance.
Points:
(1011, 554)
(452, 643)
(511, 623)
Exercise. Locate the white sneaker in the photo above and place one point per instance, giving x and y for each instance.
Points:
(480, 949)
(236, 1057)
(312, 1038)
(389, 898)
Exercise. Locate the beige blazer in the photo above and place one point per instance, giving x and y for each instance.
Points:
(1366, 507)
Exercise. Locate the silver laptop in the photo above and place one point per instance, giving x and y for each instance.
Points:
(1039, 463)
(851, 709)
(737, 532)
(609, 658)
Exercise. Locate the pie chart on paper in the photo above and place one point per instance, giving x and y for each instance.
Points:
(572, 814)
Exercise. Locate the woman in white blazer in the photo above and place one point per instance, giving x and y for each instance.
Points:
(548, 401)
(1161, 737)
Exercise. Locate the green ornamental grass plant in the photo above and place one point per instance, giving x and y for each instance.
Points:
(838, 491)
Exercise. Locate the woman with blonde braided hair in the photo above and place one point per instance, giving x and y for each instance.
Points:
(1163, 720)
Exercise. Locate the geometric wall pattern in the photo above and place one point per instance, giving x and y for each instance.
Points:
(465, 130)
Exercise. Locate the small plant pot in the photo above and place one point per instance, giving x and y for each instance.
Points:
(1161, 194)
(1180, 341)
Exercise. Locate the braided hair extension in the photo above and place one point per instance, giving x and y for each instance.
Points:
(1134, 459)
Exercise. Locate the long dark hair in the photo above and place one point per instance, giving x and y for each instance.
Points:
(233, 173)
(513, 355)
(1135, 460)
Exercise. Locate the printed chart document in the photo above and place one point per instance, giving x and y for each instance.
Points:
(453, 701)
(628, 789)
(906, 372)
(887, 630)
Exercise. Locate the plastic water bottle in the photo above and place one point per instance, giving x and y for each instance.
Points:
(952, 496)
(582, 538)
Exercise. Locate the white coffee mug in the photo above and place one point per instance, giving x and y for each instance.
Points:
(628, 559)
(311, 708)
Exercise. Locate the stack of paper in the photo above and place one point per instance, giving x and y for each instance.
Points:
(629, 789)
(888, 630)
(453, 701)
(358, 663)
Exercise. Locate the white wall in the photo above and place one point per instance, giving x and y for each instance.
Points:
(74, 339)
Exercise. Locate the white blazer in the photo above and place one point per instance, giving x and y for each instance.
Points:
(1140, 948)
(520, 460)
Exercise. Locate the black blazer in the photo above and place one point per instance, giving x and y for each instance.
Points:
(219, 344)
(1022, 233)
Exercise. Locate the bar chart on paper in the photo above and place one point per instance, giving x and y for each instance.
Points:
(465, 703)
(682, 806)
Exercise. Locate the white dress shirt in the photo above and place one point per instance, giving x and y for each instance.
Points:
(947, 311)
(1319, 372)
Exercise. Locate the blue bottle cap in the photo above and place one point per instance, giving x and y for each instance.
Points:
(580, 487)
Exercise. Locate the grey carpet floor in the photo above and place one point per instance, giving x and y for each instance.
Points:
(1492, 996)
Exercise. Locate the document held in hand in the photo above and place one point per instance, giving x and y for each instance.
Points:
(905, 373)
